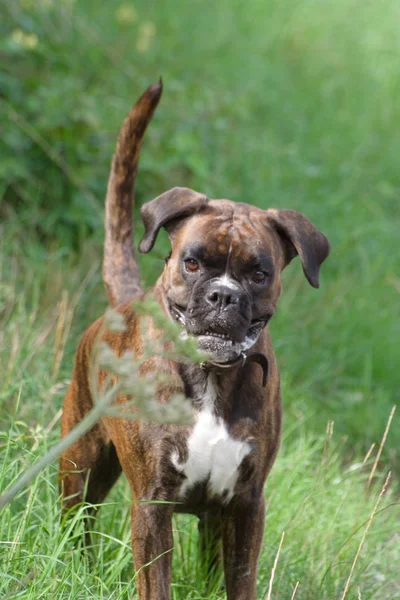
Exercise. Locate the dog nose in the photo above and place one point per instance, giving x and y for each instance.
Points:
(222, 296)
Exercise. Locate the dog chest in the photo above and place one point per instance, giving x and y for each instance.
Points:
(213, 456)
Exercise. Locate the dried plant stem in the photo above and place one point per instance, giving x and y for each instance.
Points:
(365, 535)
(61, 319)
(271, 581)
(20, 528)
(295, 590)
(49, 427)
(366, 457)
(65, 317)
(381, 447)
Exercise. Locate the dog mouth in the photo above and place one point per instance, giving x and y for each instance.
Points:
(214, 341)
(218, 343)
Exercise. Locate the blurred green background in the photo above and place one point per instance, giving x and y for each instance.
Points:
(283, 104)
(287, 104)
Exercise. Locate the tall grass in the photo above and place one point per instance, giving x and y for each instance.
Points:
(321, 506)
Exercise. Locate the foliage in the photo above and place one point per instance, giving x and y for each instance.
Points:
(301, 117)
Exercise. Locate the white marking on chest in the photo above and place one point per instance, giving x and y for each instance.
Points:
(213, 455)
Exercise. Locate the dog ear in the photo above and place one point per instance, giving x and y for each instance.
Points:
(176, 203)
(300, 237)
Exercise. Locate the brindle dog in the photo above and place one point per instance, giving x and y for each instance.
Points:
(222, 283)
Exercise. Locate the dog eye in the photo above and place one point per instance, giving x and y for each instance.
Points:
(259, 277)
(191, 265)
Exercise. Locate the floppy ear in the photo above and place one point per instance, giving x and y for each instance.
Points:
(176, 203)
(300, 237)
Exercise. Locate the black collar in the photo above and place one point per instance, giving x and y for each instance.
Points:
(257, 357)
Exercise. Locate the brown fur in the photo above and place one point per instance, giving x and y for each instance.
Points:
(252, 413)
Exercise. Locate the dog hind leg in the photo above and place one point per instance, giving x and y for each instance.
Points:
(90, 467)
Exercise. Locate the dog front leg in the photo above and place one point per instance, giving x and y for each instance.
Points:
(242, 534)
(152, 545)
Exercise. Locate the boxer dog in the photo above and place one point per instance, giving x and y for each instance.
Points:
(221, 283)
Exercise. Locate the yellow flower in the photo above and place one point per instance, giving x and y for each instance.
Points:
(142, 45)
(147, 31)
(17, 36)
(30, 41)
(26, 40)
(125, 13)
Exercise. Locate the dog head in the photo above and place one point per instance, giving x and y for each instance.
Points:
(222, 280)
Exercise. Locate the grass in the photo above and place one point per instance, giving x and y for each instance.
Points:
(285, 104)
(320, 505)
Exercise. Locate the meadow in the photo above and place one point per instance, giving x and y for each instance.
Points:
(280, 104)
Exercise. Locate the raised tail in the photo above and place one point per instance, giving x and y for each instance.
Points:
(120, 268)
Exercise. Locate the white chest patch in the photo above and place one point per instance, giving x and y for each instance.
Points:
(213, 455)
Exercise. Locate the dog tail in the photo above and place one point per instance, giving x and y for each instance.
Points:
(120, 268)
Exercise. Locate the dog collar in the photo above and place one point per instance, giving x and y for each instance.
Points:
(257, 357)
